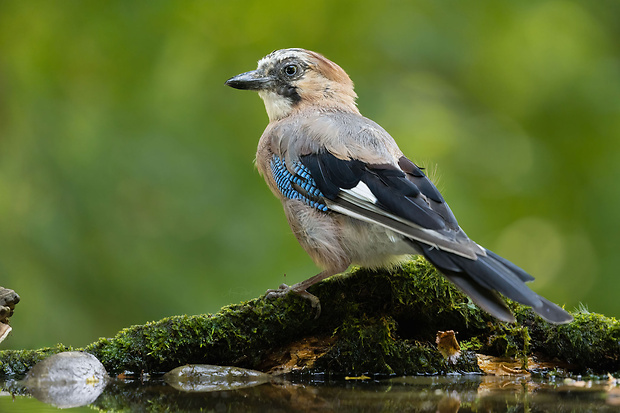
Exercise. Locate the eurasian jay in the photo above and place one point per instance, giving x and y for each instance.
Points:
(351, 196)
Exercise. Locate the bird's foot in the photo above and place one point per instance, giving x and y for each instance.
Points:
(284, 289)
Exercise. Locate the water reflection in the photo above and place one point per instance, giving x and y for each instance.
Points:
(472, 393)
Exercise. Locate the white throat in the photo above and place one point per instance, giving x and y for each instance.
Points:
(276, 105)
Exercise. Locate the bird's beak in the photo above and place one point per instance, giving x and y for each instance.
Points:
(253, 80)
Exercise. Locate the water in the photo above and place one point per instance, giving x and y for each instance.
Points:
(470, 393)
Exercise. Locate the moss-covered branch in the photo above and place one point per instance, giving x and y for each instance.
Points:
(372, 322)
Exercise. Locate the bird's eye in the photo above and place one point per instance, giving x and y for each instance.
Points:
(290, 70)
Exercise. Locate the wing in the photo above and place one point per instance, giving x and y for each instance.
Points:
(404, 200)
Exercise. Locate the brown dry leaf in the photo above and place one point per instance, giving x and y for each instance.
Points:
(5, 329)
(448, 346)
(501, 366)
(297, 355)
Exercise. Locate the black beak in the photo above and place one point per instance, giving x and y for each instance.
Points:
(253, 80)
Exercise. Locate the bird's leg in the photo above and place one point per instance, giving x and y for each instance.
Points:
(300, 288)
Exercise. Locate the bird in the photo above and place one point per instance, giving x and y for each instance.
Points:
(350, 195)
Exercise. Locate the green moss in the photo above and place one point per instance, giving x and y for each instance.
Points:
(17, 362)
(591, 343)
(370, 345)
(379, 322)
(238, 335)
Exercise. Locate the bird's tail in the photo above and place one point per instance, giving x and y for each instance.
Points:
(483, 278)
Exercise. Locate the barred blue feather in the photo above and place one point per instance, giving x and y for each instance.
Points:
(298, 185)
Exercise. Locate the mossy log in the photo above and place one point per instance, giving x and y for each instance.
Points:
(372, 323)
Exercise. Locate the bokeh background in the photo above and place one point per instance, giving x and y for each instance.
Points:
(127, 187)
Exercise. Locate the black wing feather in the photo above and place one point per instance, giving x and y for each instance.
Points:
(436, 201)
(397, 194)
(402, 198)
(332, 174)
(420, 179)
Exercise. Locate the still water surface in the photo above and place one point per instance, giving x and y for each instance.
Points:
(471, 393)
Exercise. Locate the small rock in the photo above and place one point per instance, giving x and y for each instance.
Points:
(206, 378)
(68, 379)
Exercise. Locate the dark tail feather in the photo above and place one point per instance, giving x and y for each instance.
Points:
(525, 277)
(490, 273)
(488, 300)
(481, 279)
(553, 312)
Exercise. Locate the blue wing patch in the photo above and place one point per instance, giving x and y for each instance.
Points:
(299, 185)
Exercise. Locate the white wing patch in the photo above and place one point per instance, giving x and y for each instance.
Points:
(361, 192)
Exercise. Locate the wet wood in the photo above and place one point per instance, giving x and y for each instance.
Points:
(8, 300)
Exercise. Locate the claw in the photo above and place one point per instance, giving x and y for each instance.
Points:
(300, 288)
(314, 301)
(284, 289)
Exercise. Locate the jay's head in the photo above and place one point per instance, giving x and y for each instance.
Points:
(290, 79)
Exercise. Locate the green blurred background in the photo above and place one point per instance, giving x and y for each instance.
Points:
(127, 188)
